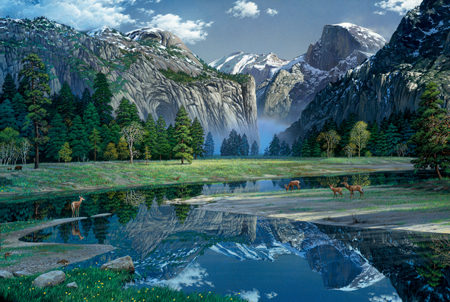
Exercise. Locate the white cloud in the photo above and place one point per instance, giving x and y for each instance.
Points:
(80, 14)
(242, 9)
(251, 296)
(271, 295)
(271, 12)
(148, 12)
(380, 12)
(189, 31)
(399, 6)
(386, 298)
(193, 275)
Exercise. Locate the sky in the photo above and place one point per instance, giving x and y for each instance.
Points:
(216, 28)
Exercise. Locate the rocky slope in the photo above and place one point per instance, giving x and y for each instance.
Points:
(340, 48)
(394, 78)
(260, 66)
(132, 63)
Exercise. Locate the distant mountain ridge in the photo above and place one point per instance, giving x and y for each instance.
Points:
(391, 80)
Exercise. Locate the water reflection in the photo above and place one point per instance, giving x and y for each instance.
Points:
(276, 258)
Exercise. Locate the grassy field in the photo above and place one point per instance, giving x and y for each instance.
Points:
(97, 285)
(62, 177)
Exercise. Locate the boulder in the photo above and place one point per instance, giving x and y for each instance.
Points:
(5, 275)
(72, 285)
(50, 279)
(123, 263)
(22, 273)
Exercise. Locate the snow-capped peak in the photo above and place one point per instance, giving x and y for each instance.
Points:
(364, 35)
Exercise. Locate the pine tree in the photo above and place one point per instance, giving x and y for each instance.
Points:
(66, 104)
(374, 134)
(233, 144)
(244, 147)
(224, 148)
(35, 80)
(432, 132)
(78, 137)
(122, 149)
(91, 119)
(7, 117)
(57, 137)
(162, 149)
(85, 100)
(266, 152)
(209, 145)
(255, 149)
(306, 148)
(102, 98)
(95, 140)
(171, 139)
(285, 150)
(147, 154)
(393, 138)
(126, 113)
(18, 103)
(384, 124)
(182, 136)
(150, 135)
(351, 121)
(296, 148)
(274, 146)
(8, 88)
(382, 145)
(198, 137)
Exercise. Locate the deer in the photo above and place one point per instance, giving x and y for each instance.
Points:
(292, 184)
(76, 231)
(8, 254)
(336, 190)
(352, 189)
(63, 262)
(76, 207)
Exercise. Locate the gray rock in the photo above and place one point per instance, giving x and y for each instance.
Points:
(5, 275)
(50, 279)
(72, 285)
(22, 273)
(123, 263)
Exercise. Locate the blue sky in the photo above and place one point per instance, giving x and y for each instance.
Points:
(214, 28)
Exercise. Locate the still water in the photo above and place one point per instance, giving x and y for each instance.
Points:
(265, 259)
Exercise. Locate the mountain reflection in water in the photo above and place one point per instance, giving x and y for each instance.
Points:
(268, 259)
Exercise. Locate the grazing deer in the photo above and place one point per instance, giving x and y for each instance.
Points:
(8, 254)
(76, 230)
(336, 190)
(352, 189)
(63, 262)
(18, 168)
(292, 184)
(76, 207)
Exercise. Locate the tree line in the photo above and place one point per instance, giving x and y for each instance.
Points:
(237, 145)
(62, 126)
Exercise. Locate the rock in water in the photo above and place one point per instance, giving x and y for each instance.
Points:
(5, 275)
(50, 279)
(123, 263)
(21, 273)
(72, 285)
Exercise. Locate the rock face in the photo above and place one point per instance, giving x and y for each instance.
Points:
(341, 47)
(50, 279)
(122, 263)
(393, 79)
(132, 63)
(260, 66)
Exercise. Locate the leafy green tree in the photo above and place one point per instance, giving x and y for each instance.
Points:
(8, 135)
(79, 140)
(244, 148)
(57, 137)
(209, 145)
(66, 104)
(432, 132)
(35, 79)
(65, 152)
(150, 135)
(274, 146)
(147, 154)
(7, 117)
(350, 149)
(331, 140)
(95, 139)
(91, 119)
(393, 138)
(122, 149)
(102, 98)
(163, 147)
(171, 138)
(359, 136)
(382, 145)
(255, 149)
(198, 137)
(110, 152)
(8, 88)
(183, 136)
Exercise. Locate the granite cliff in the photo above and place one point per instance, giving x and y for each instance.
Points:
(391, 80)
(133, 62)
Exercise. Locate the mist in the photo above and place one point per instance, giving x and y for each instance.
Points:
(267, 128)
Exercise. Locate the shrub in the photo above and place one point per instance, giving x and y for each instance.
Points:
(323, 154)
(368, 154)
